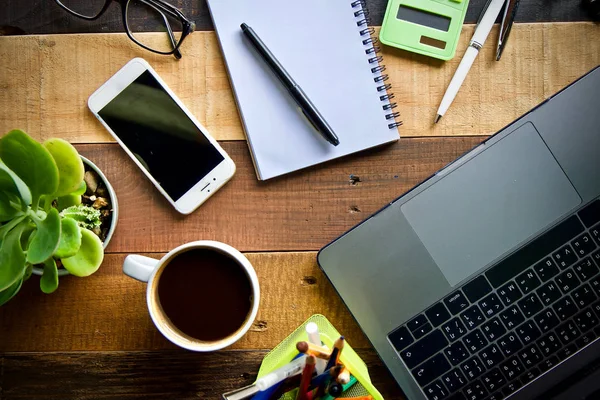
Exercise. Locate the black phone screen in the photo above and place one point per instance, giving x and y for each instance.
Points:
(160, 135)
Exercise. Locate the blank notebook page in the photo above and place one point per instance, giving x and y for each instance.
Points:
(319, 44)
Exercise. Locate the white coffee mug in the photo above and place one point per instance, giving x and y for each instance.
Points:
(148, 270)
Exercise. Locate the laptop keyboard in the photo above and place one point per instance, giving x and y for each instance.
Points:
(515, 321)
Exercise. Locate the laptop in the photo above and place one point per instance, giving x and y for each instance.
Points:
(483, 282)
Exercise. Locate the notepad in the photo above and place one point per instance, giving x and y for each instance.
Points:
(326, 46)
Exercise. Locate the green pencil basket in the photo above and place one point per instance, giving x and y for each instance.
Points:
(285, 351)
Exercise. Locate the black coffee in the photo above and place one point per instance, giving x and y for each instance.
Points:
(207, 295)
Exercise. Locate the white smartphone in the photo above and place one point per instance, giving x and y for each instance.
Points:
(161, 136)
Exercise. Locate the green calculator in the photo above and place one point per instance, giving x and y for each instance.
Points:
(428, 27)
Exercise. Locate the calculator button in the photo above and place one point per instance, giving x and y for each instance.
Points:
(565, 257)
(476, 289)
(527, 281)
(438, 314)
(546, 269)
(509, 293)
(400, 338)
(456, 302)
(456, 353)
(583, 245)
(424, 348)
(454, 329)
(431, 369)
(491, 305)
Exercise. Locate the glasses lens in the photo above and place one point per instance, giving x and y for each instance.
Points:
(87, 8)
(146, 16)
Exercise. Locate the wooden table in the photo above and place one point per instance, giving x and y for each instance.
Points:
(93, 338)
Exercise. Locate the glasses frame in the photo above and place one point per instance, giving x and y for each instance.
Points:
(161, 6)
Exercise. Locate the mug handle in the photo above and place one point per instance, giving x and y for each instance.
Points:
(139, 267)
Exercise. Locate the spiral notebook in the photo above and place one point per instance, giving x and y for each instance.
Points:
(327, 47)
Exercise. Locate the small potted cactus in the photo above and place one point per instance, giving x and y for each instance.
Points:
(44, 223)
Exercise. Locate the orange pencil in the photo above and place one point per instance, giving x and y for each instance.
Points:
(334, 359)
(309, 368)
(317, 351)
(344, 376)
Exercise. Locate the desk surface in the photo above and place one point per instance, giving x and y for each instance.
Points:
(93, 338)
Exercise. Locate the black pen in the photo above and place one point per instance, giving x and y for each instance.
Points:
(307, 107)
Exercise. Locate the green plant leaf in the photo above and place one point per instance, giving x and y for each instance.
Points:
(81, 189)
(31, 162)
(68, 201)
(46, 238)
(10, 182)
(86, 216)
(70, 239)
(49, 280)
(70, 166)
(10, 292)
(12, 258)
(10, 206)
(88, 258)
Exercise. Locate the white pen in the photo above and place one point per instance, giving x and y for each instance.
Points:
(295, 367)
(481, 33)
(313, 337)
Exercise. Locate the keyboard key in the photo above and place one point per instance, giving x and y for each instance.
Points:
(583, 245)
(548, 364)
(436, 391)
(528, 332)
(496, 396)
(510, 344)
(567, 281)
(512, 387)
(585, 339)
(530, 356)
(596, 308)
(512, 317)
(566, 352)
(585, 269)
(454, 380)
(591, 213)
(431, 369)
(595, 231)
(438, 314)
(457, 396)
(530, 305)
(549, 344)
(565, 308)
(472, 368)
(491, 305)
(400, 338)
(595, 284)
(475, 341)
(528, 281)
(472, 317)
(583, 296)
(546, 269)
(512, 368)
(586, 320)
(454, 329)
(546, 320)
(476, 289)
(565, 257)
(549, 293)
(494, 329)
(530, 375)
(424, 348)
(509, 293)
(596, 256)
(493, 380)
(475, 391)
(422, 330)
(491, 356)
(533, 252)
(456, 353)
(416, 323)
(456, 302)
(567, 332)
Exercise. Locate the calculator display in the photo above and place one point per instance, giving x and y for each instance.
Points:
(424, 18)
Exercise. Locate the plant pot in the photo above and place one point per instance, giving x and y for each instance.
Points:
(115, 213)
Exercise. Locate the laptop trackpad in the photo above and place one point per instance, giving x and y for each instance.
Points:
(491, 203)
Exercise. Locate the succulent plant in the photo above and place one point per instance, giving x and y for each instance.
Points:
(36, 181)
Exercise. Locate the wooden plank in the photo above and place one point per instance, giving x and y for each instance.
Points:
(107, 311)
(176, 374)
(302, 211)
(39, 17)
(47, 80)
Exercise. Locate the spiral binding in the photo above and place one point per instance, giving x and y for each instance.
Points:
(363, 21)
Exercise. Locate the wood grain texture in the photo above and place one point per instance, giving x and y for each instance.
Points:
(107, 311)
(175, 374)
(301, 211)
(44, 17)
(47, 80)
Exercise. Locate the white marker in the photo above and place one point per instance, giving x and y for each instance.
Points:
(313, 337)
(295, 367)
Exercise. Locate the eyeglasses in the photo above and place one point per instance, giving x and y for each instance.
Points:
(138, 16)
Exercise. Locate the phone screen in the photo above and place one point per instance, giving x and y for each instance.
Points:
(160, 135)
